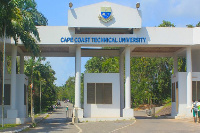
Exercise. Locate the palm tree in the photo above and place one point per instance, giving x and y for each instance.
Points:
(18, 20)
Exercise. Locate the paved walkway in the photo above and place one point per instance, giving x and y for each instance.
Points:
(24, 126)
(56, 122)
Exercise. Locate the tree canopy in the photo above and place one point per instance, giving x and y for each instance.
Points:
(19, 18)
(44, 75)
(166, 24)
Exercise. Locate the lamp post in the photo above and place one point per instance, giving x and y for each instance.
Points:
(137, 5)
(70, 4)
(3, 75)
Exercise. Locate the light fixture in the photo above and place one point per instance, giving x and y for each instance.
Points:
(137, 5)
(70, 4)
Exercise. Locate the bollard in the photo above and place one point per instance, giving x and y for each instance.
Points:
(76, 115)
(73, 116)
(153, 112)
(69, 113)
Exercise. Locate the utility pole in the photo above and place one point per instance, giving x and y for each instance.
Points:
(3, 75)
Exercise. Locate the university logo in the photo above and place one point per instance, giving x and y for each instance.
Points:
(106, 14)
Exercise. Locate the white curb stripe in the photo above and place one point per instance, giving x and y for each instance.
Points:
(80, 130)
(123, 127)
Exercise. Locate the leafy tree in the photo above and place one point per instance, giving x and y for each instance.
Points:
(102, 65)
(198, 24)
(18, 19)
(67, 91)
(190, 26)
(44, 75)
(166, 24)
(150, 79)
(182, 64)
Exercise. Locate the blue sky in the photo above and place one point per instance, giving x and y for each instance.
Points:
(179, 12)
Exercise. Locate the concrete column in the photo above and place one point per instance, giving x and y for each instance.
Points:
(189, 77)
(175, 64)
(13, 77)
(127, 79)
(121, 69)
(78, 78)
(21, 64)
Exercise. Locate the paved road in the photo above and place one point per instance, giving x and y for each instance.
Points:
(56, 122)
(146, 124)
(162, 126)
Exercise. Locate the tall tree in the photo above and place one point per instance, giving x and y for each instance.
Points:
(43, 75)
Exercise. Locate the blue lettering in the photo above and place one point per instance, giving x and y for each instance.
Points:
(144, 39)
(69, 39)
(62, 39)
(103, 39)
(83, 40)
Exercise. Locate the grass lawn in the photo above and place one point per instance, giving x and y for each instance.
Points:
(8, 126)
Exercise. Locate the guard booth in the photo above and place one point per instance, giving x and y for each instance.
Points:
(17, 113)
(180, 86)
(105, 24)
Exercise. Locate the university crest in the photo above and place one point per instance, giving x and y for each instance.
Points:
(106, 14)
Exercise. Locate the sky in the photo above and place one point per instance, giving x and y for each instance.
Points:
(179, 12)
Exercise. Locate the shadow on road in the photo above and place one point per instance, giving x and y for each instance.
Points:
(56, 122)
(142, 115)
(150, 117)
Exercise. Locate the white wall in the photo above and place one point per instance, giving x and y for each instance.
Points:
(196, 33)
(174, 79)
(161, 36)
(182, 88)
(20, 95)
(166, 35)
(103, 110)
(126, 17)
(87, 16)
(183, 111)
(6, 107)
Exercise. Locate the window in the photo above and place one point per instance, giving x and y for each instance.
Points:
(24, 94)
(99, 93)
(195, 90)
(6, 94)
(91, 93)
(103, 31)
(173, 92)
